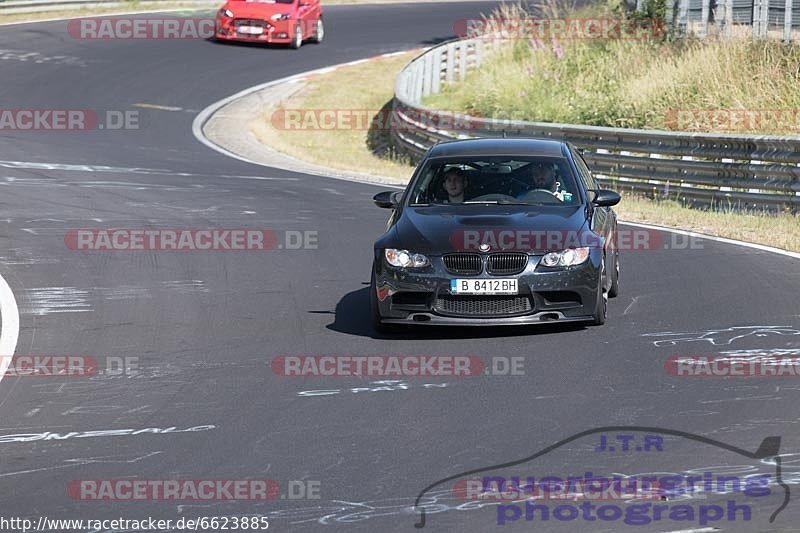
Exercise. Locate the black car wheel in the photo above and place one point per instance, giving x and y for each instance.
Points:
(377, 325)
(601, 310)
(613, 291)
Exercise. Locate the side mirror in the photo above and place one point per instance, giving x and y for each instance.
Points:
(386, 199)
(606, 198)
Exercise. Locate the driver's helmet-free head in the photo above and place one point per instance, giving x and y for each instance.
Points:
(455, 182)
(543, 176)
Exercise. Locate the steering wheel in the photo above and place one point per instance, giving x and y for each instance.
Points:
(541, 196)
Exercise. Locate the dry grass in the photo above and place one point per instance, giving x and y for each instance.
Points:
(639, 83)
(779, 231)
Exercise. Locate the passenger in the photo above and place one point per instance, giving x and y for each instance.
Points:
(455, 182)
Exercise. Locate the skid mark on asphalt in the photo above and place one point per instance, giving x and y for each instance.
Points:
(48, 435)
(25, 256)
(722, 336)
(761, 353)
(39, 59)
(82, 462)
(48, 300)
(388, 385)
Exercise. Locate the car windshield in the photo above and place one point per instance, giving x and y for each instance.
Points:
(496, 180)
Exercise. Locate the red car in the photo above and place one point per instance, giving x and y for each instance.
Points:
(271, 21)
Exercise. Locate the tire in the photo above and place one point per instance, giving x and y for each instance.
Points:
(319, 32)
(601, 310)
(613, 291)
(377, 325)
(297, 42)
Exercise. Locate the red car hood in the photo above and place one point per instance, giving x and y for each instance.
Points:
(256, 10)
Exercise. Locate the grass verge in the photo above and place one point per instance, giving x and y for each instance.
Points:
(370, 86)
(735, 85)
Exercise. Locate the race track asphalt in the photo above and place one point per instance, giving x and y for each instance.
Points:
(203, 327)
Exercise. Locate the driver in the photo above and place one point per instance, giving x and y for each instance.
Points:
(543, 179)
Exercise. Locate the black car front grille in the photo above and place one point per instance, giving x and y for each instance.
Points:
(465, 264)
(484, 306)
(507, 263)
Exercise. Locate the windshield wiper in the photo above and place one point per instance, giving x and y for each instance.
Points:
(496, 202)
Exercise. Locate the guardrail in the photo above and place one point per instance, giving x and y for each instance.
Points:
(767, 18)
(36, 6)
(723, 170)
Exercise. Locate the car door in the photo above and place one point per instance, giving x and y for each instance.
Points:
(602, 217)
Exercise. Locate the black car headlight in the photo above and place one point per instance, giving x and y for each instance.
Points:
(565, 258)
(405, 259)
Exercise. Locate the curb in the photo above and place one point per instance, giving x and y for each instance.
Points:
(259, 154)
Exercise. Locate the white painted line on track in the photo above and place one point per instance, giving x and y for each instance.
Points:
(158, 107)
(9, 331)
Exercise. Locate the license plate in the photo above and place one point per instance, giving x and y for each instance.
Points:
(250, 30)
(483, 286)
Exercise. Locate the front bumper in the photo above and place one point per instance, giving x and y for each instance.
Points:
(274, 32)
(423, 297)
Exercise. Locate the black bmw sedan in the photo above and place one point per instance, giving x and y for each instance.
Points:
(496, 231)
